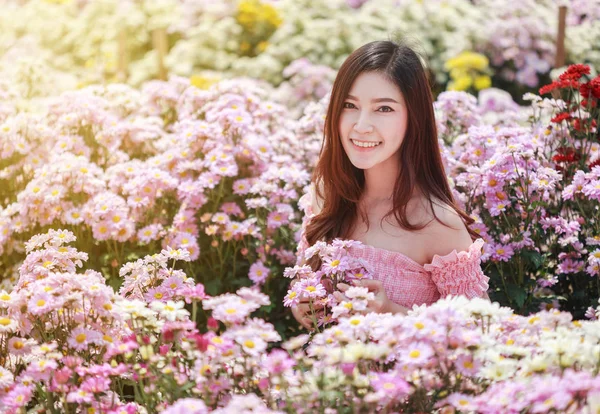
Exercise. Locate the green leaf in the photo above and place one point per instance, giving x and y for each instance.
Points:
(534, 257)
(517, 294)
(214, 287)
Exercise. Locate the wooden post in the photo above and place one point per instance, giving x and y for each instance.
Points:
(122, 56)
(560, 38)
(159, 41)
(560, 58)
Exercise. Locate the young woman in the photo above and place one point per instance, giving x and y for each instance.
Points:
(380, 180)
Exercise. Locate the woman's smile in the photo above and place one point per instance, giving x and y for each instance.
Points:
(365, 146)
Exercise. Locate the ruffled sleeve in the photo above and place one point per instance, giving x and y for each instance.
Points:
(305, 204)
(459, 273)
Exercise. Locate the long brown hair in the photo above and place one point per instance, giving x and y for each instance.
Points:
(340, 184)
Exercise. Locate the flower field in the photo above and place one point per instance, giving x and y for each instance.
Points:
(149, 228)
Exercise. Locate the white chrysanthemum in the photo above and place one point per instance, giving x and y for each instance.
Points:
(171, 311)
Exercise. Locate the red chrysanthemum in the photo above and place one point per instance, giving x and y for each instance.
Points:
(566, 155)
(559, 84)
(593, 103)
(594, 164)
(563, 116)
(595, 87)
(575, 72)
(549, 88)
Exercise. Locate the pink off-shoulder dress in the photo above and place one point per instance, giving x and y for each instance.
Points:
(409, 283)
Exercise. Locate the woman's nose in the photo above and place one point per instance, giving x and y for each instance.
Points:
(363, 125)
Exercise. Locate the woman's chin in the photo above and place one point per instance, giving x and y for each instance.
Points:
(362, 164)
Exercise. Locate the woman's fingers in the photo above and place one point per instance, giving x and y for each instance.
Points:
(371, 284)
(343, 287)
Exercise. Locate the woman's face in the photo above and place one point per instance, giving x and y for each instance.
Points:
(373, 121)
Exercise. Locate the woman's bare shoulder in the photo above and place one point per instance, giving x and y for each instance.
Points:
(451, 234)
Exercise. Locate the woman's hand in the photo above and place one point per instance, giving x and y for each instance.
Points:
(381, 303)
(303, 315)
(302, 312)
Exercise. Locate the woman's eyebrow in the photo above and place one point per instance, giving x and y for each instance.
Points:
(375, 100)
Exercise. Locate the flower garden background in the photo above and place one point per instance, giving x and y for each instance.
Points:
(153, 156)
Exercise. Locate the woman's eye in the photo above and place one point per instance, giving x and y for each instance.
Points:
(387, 107)
(348, 103)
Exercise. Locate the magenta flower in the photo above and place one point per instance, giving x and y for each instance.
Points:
(502, 252)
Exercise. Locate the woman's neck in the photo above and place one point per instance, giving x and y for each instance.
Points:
(380, 182)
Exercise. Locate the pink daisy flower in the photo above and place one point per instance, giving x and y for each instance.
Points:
(258, 273)
(466, 365)
(149, 233)
(232, 208)
(310, 288)
(391, 385)
(292, 298)
(17, 397)
(159, 293)
(416, 354)
(251, 345)
(187, 406)
(41, 303)
(502, 252)
(297, 272)
(461, 402)
(242, 187)
(20, 346)
(276, 219)
(592, 190)
(82, 338)
(80, 396)
(336, 264)
(253, 295)
(6, 378)
(278, 362)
